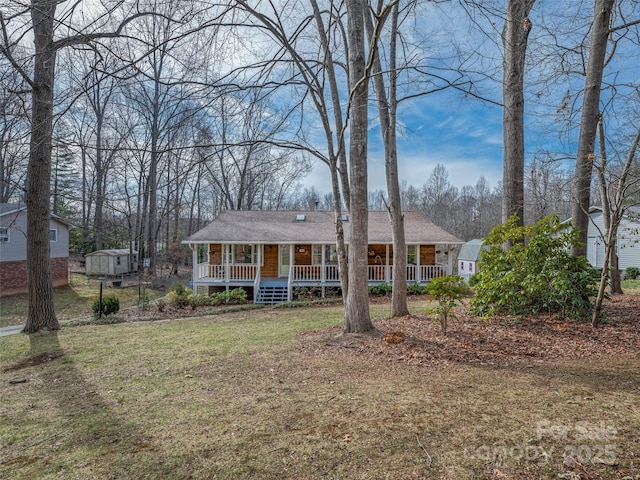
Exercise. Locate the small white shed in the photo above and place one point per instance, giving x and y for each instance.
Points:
(628, 245)
(469, 256)
(111, 262)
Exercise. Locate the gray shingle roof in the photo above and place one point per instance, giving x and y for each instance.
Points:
(113, 252)
(470, 251)
(269, 226)
(11, 207)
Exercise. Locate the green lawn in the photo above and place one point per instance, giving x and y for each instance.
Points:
(71, 302)
(240, 396)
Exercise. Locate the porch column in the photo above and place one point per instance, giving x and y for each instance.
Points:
(387, 273)
(259, 249)
(225, 262)
(449, 261)
(323, 268)
(292, 262)
(418, 272)
(194, 253)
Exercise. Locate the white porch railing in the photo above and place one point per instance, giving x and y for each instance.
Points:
(331, 273)
(307, 273)
(377, 273)
(427, 272)
(227, 272)
(314, 273)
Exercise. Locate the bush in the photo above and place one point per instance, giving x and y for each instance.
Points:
(447, 291)
(199, 301)
(536, 275)
(237, 296)
(110, 304)
(382, 290)
(179, 296)
(632, 273)
(415, 289)
(473, 280)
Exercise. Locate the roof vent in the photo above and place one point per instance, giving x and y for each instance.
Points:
(301, 217)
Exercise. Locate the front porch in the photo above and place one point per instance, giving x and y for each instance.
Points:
(263, 266)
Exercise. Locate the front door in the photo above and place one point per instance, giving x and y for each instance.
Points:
(284, 260)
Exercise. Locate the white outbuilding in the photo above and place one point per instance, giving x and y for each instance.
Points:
(469, 256)
(111, 262)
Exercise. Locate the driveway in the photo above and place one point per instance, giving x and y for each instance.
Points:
(4, 331)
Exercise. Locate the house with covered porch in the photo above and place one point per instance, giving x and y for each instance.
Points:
(270, 253)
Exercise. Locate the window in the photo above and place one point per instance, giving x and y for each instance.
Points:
(411, 254)
(330, 255)
(117, 260)
(4, 234)
(316, 257)
(53, 235)
(245, 254)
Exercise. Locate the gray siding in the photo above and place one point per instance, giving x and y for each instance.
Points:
(16, 248)
(628, 242)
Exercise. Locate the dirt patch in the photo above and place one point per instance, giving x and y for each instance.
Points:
(33, 361)
(499, 340)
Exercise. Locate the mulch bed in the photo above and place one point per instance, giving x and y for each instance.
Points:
(497, 340)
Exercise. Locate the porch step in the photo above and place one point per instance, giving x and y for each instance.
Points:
(272, 293)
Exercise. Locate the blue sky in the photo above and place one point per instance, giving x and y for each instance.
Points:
(464, 136)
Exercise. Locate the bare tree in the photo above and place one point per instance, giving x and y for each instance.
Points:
(387, 111)
(14, 134)
(514, 39)
(614, 205)
(41, 314)
(356, 315)
(600, 32)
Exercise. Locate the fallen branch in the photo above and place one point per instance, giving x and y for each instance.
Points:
(425, 451)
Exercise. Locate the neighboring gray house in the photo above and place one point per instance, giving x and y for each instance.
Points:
(270, 252)
(111, 262)
(469, 256)
(628, 245)
(13, 249)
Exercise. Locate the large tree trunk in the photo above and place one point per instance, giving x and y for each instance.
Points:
(387, 108)
(41, 314)
(514, 38)
(152, 185)
(337, 162)
(589, 122)
(356, 315)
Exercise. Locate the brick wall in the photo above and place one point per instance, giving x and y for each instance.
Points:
(60, 271)
(13, 275)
